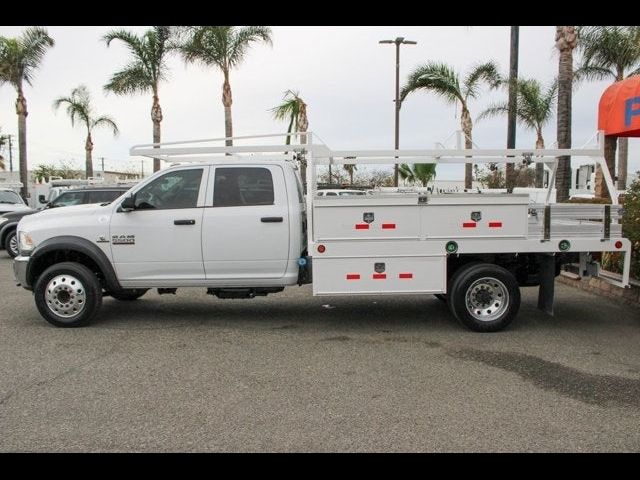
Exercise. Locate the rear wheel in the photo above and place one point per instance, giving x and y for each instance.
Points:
(68, 294)
(129, 295)
(484, 297)
(11, 244)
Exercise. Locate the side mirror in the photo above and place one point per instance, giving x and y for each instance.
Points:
(42, 199)
(128, 204)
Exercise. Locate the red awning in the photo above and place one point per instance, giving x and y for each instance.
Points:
(619, 109)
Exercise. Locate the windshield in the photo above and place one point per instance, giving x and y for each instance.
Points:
(10, 197)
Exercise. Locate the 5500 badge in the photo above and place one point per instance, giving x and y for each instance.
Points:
(123, 240)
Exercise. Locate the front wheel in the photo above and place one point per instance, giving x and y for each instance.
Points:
(68, 294)
(484, 297)
(11, 244)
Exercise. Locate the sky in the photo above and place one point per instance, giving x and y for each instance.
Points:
(346, 78)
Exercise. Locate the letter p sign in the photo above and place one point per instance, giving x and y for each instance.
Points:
(629, 111)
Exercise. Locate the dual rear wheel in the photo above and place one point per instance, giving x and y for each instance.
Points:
(484, 297)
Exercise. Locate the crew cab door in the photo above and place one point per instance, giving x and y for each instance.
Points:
(159, 241)
(245, 227)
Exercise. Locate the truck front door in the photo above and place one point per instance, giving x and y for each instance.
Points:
(245, 226)
(159, 241)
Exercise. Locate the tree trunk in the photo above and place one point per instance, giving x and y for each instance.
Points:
(565, 43)
(88, 148)
(467, 126)
(303, 125)
(539, 166)
(227, 101)
(623, 153)
(156, 118)
(610, 143)
(21, 110)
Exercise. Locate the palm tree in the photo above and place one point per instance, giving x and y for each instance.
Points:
(350, 168)
(294, 110)
(534, 108)
(419, 172)
(145, 71)
(19, 59)
(565, 43)
(3, 141)
(79, 109)
(444, 81)
(224, 48)
(610, 53)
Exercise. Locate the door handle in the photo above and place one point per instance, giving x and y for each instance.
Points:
(184, 222)
(271, 219)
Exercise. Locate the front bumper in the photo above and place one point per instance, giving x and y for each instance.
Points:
(20, 271)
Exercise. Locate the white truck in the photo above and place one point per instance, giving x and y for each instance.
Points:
(234, 220)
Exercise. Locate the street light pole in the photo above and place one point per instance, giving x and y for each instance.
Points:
(398, 41)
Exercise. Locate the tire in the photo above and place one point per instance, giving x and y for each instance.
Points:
(477, 297)
(129, 295)
(11, 244)
(64, 287)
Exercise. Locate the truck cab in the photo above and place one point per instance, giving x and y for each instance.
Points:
(234, 228)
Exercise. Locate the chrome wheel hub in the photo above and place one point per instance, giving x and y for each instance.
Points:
(487, 299)
(65, 296)
(13, 244)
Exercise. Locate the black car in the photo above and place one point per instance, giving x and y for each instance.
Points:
(75, 196)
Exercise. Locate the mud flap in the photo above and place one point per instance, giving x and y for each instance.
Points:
(547, 277)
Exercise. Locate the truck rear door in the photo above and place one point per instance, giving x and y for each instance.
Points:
(245, 226)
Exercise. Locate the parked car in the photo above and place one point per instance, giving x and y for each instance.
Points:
(10, 201)
(76, 196)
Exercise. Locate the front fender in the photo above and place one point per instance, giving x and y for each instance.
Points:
(66, 245)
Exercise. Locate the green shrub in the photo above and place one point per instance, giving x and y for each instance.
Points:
(631, 230)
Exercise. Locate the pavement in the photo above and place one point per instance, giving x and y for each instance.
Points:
(293, 372)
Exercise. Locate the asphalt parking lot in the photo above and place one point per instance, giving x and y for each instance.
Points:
(290, 372)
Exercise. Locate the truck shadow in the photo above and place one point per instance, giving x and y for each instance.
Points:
(288, 312)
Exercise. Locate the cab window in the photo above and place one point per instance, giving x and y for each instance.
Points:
(242, 187)
(67, 199)
(178, 189)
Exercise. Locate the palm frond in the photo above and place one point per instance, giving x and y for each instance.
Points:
(494, 110)
(106, 122)
(435, 77)
(132, 79)
(487, 72)
(593, 72)
(148, 59)
(20, 57)
(78, 105)
(242, 40)
(615, 48)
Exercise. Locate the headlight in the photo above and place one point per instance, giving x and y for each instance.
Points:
(25, 243)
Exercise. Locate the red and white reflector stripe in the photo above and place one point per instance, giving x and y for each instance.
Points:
(495, 224)
(353, 276)
(362, 226)
(469, 225)
(405, 275)
(379, 276)
(388, 226)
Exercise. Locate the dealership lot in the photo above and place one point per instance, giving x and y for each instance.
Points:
(292, 372)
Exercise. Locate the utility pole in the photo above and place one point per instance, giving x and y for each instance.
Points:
(398, 41)
(102, 158)
(513, 106)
